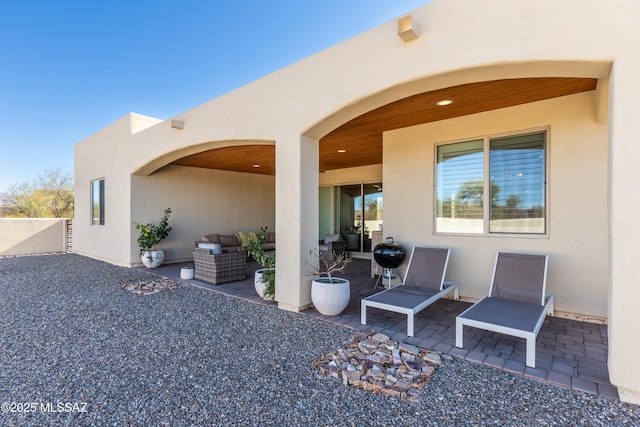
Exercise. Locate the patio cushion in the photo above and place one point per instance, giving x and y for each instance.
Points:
(229, 243)
(230, 240)
(331, 238)
(245, 238)
(211, 238)
(270, 237)
(214, 248)
(232, 243)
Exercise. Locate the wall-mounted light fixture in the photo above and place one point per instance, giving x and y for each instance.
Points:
(407, 28)
(177, 124)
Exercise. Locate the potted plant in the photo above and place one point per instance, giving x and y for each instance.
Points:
(150, 235)
(264, 279)
(330, 295)
(187, 272)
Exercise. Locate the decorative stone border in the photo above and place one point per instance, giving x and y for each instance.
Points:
(376, 363)
(150, 287)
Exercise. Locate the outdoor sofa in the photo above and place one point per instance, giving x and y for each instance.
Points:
(232, 243)
(219, 258)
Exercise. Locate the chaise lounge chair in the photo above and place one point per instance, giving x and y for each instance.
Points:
(423, 285)
(516, 302)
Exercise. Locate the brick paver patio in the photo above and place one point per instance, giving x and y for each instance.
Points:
(569, 353)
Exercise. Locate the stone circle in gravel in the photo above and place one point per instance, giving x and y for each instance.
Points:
(150, 287)
(375, 363)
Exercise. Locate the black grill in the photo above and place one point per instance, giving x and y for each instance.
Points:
(388, 254)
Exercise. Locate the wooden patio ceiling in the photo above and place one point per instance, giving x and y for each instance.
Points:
(359, 141)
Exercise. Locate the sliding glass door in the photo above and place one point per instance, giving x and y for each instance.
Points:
(372, 212)
(358, 212)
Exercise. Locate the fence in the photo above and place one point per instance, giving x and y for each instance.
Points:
(25, 236)
(69, 240)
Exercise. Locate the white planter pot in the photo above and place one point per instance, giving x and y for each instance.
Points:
(330, 298)
(260, 285)
(152, 259)
(186, 273)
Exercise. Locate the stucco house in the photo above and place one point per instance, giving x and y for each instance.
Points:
(479, 126)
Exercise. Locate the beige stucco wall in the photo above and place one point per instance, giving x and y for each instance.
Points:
(576, 190)
(202, 201)
(23, 236)
(459, 42)
(624, 227)
(105, 155)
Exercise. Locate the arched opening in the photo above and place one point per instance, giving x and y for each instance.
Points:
(214, 187)
(250, 156)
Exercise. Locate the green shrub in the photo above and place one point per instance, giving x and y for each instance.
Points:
(151, 234)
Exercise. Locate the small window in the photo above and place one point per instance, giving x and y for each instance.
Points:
(510, 170)
(97, 202)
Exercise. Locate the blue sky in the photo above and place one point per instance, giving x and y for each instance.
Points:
(71, 67)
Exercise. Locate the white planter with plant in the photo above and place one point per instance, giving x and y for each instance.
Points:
(264, 282)
(153, 258)
(329, 295)
(264, 279)
(150, 235)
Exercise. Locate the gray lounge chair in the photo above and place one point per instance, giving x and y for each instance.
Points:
(516, 304)
(423, 285)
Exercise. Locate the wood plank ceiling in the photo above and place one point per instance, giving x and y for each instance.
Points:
(359, 141)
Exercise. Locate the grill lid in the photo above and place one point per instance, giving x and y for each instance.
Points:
(388, 254)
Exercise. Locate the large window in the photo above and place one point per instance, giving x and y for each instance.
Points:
(492, 185)
(97, 202)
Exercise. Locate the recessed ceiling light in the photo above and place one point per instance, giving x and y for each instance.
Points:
(444, 102)
(256, 165)
(342, 151)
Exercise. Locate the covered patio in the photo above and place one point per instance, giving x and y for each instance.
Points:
(571, 354)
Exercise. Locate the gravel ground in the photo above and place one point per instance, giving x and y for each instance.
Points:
(71, 335)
